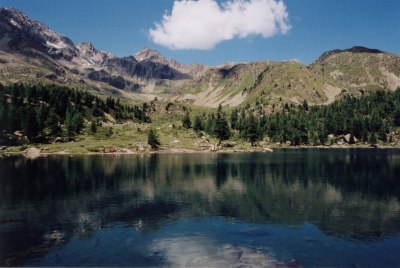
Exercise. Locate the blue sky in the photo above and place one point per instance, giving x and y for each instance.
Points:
(122, 27)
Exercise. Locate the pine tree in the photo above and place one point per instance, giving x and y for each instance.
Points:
(351, 140)
(372, 139)
(364, 136)
(234, 119)
(69, 123)
(31, 125)
(198, 124)
(221, 129)
(78, 122)
(396, 117)
(152, 139)
(305, 105)
(210, 124)
(252, 130)
(109, 132)
(4, 120)
(41, 117)
(382, 133)
(93, 127)
(52, 123)
(96, 111)
(375, 121)
(186, 123)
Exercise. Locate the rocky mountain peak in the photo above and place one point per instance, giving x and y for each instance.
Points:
(361, 49)
(86, 46)
(92, 56)
(25, 33)
(12, 14)
(147, 54)
(150, 57)
(14, 18)
(355, 49)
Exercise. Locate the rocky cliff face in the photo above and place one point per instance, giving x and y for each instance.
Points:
(18, 32)
(155, 59)
(92, 56)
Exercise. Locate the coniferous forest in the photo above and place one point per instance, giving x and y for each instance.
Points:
(369, 118)
(42, 113)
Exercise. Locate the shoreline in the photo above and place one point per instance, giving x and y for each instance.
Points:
(33, 152)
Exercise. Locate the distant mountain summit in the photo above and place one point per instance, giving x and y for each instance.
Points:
(32, 53)
(18, 32)
(58, 59)
(150, 54)
(355, 49)
(152, 57)
(92, 55)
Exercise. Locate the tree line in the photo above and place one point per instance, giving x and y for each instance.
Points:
(369, 118)
(43, 112)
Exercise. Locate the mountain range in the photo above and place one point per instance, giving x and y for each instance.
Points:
(30, 52)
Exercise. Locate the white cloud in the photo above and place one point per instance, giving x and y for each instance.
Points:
(203, 24)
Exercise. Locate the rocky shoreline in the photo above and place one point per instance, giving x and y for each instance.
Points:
(34, 152)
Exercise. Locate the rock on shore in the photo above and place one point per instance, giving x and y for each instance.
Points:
(32, 152)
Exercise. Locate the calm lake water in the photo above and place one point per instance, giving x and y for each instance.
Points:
(319, 207)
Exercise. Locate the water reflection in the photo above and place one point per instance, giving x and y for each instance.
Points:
(47, 201)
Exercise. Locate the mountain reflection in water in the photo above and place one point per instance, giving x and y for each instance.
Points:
(50, 203)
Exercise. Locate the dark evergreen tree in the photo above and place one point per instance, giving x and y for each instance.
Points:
(109, 132)
(15, 117)
(152, 139)
(305, 105)
(372, 139)
(4, 119)
(198, 124)
(396, 117)
(221, 129)
(96, 111)
(41, 117)
(52, 123)
(234, 119)
(375, 121)
(383, 131)
(186, 123)
(252, 130)
(78, 122)
(210, 124)
(351, 140)
(31, 125)
(69, 123)
(93, 127)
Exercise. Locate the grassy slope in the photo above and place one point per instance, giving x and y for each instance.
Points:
(290, 81)
(294, 82)
(355, 71)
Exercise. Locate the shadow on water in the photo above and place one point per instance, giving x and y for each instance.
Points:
(47, 201)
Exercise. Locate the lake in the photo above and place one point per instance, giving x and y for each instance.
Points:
(319, 207)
